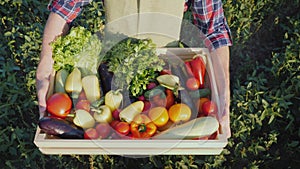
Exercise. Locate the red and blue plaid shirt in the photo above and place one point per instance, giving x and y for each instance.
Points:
(208, 17)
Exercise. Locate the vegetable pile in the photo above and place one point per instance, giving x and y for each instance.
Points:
(166, 98)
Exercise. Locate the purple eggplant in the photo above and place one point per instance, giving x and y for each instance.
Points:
(106, 77)
(60, 127)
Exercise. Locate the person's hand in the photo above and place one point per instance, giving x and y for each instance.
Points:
(43, 73)
(220, 62)
(55, 27)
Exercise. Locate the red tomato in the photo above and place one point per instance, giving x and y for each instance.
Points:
(147, 106)
(141, 98)
(200, 103)
(91, 133)
(83, 104)
(165, 72)
(209, 108)
(151, 85)
(114, 123)
(103, 129)
(59, 105)
(170, 98)
(192, 83)
(115, 114)
(122, 128)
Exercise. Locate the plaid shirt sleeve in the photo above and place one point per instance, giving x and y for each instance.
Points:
(209, 18)
(67, 9)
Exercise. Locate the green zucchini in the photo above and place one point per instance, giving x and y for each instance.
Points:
(153, 92)
(60, 80)
(200, 93)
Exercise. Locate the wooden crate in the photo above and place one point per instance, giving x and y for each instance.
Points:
(48, 145)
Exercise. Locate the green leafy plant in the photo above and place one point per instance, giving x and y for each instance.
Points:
(134, 63)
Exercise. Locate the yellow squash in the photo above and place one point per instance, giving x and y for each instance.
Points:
(129, 112)
(91, 87)
(83, 119)
(73, 84)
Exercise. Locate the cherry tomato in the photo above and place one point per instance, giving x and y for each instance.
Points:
(209, 108)
(122, 128)
(165, 72)
(116, 113)
(147, 106)
(59, 105)
(114, 123)
(200, 103)
(91, 133)
(103, 129)
(192, 83)
(141, 98)
(151, 85)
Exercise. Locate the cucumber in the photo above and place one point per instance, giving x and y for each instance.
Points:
(153, 92)
(60, 80)
(200, 93)
(199, 127)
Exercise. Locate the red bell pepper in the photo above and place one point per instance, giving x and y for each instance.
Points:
(198, 68)
(188, 68)
(142, 127)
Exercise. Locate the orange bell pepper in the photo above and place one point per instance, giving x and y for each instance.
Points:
(142, 127)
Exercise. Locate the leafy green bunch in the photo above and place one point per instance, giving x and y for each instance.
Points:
(79, 48)
(134, 63)
(65, 48)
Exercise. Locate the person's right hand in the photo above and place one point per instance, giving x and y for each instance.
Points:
(55, 27)
(43, 73)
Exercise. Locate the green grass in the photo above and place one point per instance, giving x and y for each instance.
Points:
(265, 86)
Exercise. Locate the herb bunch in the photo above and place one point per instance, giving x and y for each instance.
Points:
(134, 63)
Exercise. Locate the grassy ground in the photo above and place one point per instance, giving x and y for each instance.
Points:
(265, 86)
